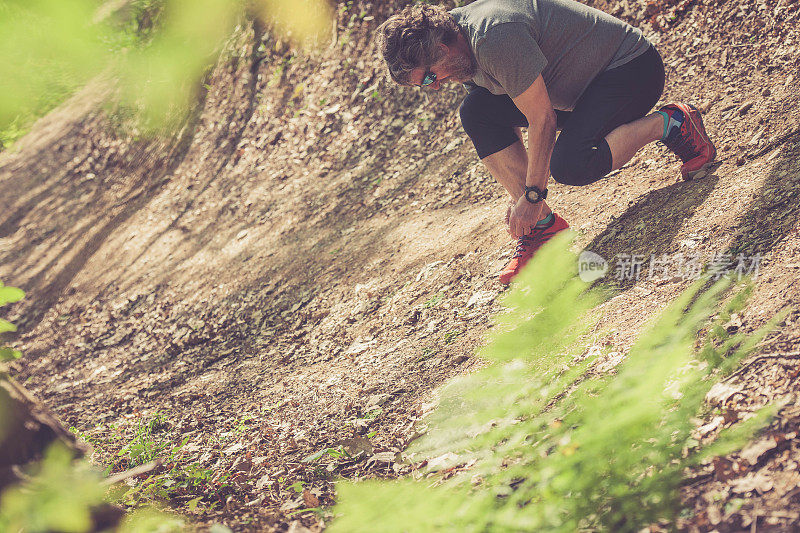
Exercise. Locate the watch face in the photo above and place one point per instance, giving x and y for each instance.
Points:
(533, 199)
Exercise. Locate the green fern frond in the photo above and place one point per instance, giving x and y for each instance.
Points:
(556, 447)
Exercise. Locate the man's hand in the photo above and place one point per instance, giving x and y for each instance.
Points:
(523, 217)
(535, 104)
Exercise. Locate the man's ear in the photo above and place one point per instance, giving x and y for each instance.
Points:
(444, 48)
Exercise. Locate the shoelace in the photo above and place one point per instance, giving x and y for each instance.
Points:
(527, 240)
(522, 242)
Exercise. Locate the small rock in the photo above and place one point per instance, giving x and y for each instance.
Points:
(481, 298)
(744, 108)
(754, 451)
(297, 527)
(376, 400)
(383, 457)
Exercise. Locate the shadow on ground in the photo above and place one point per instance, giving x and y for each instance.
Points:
(68, 194)
(649, 226)
(773, 214)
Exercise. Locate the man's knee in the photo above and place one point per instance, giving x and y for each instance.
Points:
(572, 166)
(569, 169)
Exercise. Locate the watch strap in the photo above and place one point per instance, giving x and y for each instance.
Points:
(540, 194)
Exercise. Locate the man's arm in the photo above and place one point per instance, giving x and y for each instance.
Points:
(538, 110)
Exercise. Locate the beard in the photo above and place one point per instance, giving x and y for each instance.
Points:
(461, 67)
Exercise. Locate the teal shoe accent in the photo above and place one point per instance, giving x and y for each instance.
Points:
(673, 120)
(545, 221)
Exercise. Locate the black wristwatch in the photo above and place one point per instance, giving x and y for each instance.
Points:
(540, 194)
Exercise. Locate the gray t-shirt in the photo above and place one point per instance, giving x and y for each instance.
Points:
(567, 42)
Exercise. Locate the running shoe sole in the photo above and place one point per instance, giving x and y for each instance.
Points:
(700, 173)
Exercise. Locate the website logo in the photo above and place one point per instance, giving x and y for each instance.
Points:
(591, 266)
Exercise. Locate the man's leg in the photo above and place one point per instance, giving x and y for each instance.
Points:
(688, 139)
(609, 122)
(492, 123)
(509, 167)
(629, 138)
(609, 125)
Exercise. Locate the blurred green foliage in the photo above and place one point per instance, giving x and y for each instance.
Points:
(161, 79)
(157, 50)
(147, 520)
(58, 493)
(8, 295)
(58, 497)
(554, 445)
(48, 48)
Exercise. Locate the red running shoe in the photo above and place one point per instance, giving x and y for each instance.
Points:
(527, 246)
(690, 141)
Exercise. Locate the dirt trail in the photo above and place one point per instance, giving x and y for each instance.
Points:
(314, 255)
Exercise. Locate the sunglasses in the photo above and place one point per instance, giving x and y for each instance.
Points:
(429, 79)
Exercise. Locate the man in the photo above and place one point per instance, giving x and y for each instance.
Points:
(544, 65)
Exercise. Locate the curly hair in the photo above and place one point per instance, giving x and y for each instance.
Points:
(410, 39)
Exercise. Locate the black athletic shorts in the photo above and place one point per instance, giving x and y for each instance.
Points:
(581, 154)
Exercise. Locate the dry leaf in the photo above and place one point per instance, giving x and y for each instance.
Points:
(442, 462)
(712, 426)
(291, 505)
(758, 481)
(262, 481)
(383, 457)
(298, 527)
(720, 392)
(310, 499)
(722, 469)
(357, 446)
(753, 452)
